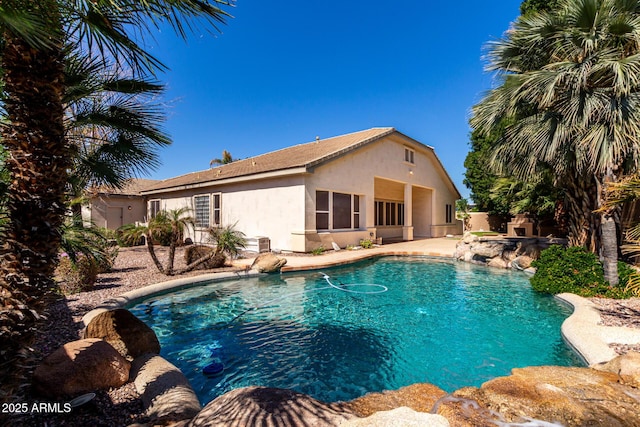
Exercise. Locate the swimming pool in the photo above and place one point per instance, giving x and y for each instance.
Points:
(446, 323)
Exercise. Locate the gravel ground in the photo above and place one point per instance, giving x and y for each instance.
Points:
(134, 269)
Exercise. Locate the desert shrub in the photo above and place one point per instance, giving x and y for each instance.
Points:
(195, 252)
(78, 276)
(366, 244)
(318, 251)
(573, 270)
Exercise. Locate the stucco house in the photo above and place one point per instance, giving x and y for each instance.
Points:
(112, 208)
(368, 184)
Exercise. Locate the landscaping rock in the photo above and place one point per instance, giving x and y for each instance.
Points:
(165, 392)
(268, 263)
(627, 367)
(469, 237)
(80, 367)
(566, 396)
(125, 332)
(498, 262)
(522, 262)
(399, 417)
(263, 406)
(419, 397)
(487, 249)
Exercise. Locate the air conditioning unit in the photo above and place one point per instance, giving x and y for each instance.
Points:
(258, 244)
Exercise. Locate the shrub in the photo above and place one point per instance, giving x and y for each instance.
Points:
(130, 235)
(576, 271)
(195, 252)
(366, 244)
(76, 277)
(318, 251)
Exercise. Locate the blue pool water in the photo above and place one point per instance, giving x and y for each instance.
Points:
(449, 324)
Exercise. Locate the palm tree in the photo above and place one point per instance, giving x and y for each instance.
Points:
(577, 115)
(113, 121)
(226, 159)
(228, 240)
(34, 36)
(173, 223)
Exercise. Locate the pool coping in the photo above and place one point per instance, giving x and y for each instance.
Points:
(582, 330)
(589, 339)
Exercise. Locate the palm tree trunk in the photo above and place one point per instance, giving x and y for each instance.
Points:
(582, 223)
(152, 252)
(609, 234)
(38, 161)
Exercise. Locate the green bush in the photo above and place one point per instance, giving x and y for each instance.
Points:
(318, 251)
(130, 235)
(366, 244)
(76, 277)
(576, 271)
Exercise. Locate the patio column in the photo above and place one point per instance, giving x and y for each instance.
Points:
(407, 229)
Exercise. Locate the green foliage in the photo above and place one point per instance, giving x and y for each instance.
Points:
(531, 6)
(318, 251)
(80, 242)
(576, 271)
(228, 240)
(366, 244)
(130, 235)
(478, 176)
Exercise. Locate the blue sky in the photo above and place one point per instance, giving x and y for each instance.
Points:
(283, 72)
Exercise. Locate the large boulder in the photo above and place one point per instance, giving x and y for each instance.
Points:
(419, 397)
(268, 263)
(125, 332)
(399, 417)
(499, 262)
(487, 249)
(544, 395)
(263, 406)
(79, 367)
(469, 237)
(164, 390)
(627, 367)
(522, 262)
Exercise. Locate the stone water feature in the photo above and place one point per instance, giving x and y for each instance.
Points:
(503, 252)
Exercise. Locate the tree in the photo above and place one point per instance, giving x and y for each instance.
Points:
(34, 36)
(226, 159)
(173, 224)
(577, 115)
(531, 6)
(112, 121)
(227, 239)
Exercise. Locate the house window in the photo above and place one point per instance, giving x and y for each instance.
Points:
(408, 155)
(356, 211)
(154, 208)
(388, 213)
(217, 209)
(322, 210)
(336, 211)
(341, 210)
(202, 208)
(448, 213)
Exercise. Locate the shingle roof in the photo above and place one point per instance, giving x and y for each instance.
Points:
(132, 187)
(303, 155)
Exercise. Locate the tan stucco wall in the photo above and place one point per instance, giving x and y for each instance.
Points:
(269, 208)
(378, 171)
(133, 209)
